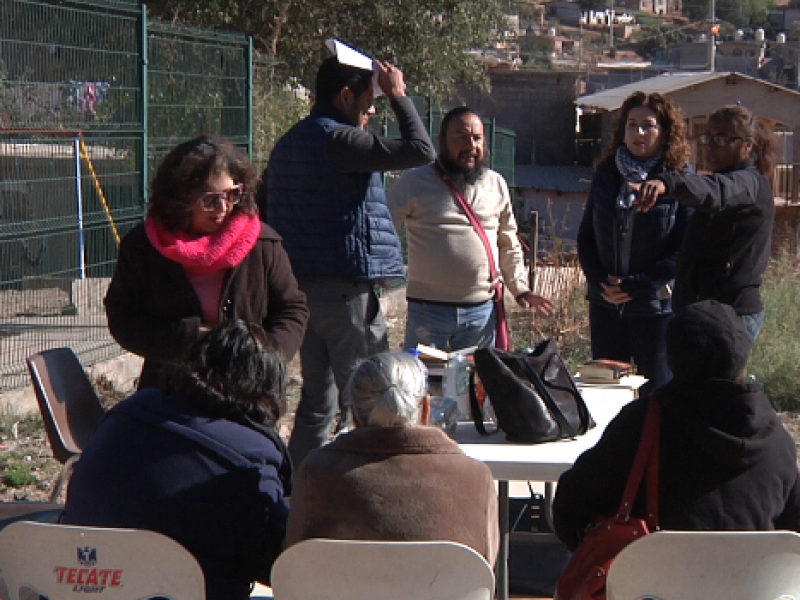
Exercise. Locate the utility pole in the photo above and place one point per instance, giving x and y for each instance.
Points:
(611, 27)
(712, 37)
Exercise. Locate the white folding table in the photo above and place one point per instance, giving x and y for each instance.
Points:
(536, 462)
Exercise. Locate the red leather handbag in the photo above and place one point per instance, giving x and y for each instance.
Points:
(584, 577)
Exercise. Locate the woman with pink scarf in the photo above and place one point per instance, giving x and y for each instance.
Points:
(201, 257)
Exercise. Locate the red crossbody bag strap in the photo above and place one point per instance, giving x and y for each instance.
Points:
(647, 457)
(502, 339)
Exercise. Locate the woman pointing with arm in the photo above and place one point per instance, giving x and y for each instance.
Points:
(728, 242)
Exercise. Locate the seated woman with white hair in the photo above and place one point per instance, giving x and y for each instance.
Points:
(393, 477)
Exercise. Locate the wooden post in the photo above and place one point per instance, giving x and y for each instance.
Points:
(533, 248)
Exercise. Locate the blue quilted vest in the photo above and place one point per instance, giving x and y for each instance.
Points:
(334, 224)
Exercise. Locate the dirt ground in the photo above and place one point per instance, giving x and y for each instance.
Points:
(27, 443)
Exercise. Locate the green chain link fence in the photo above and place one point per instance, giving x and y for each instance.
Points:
(92, 96)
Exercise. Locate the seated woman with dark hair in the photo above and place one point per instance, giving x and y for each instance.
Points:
(203, 465)
(392, 477)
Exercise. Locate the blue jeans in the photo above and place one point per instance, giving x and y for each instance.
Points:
(346, 325)
(753, 324)
(450, 327)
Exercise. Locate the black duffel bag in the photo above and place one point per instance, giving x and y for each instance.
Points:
(532, 393)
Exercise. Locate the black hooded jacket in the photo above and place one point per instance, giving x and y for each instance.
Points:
(726, 464)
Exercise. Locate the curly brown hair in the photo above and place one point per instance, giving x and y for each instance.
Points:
(670, 119)
(181, 179)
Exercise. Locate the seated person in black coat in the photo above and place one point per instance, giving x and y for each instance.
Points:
(726, 462)
(203, 465)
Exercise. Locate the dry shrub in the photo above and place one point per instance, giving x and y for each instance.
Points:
(557, 276)
(560, 279)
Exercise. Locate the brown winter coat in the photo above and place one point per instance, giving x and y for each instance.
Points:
(395, 483)
(154, 311)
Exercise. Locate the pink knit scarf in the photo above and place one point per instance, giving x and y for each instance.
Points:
(221, 250)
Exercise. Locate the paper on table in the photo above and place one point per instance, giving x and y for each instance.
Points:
(632, 382)
(354, 58)
(432, 352)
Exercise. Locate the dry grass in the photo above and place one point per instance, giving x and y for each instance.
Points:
(563, 282)
(775, 360)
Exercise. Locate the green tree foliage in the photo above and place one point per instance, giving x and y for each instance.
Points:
(648, 41)
(697, 9)
(19, 475)
(741, 13)
(594, 4)
(428, 40)
(278, 106)
(526, 9)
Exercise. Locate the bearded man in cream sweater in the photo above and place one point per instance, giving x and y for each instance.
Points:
(450, 290)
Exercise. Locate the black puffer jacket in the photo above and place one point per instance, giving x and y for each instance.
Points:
(726, 464)
(324, 193)
(728, 241)
(656, 239)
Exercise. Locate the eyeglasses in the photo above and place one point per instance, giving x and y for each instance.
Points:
(717, 139)
(232, 196)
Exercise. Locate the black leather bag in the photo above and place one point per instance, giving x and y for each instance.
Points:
(532, 393)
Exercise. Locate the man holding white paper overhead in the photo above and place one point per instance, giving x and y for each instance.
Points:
(323, 192)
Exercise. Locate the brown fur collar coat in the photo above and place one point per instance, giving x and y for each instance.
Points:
(395, 483)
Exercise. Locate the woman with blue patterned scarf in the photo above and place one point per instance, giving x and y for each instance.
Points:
(628, 256)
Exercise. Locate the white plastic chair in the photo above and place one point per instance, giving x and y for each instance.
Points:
(64, 561)
(673, 565)
(261, 592)
(365, 570)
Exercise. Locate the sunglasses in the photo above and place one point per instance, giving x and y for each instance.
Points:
(212, 200)
(717, 139)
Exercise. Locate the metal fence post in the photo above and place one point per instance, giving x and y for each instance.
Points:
(249, 97)
(145, 100)
(76, 144)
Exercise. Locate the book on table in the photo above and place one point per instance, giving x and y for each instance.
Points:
(604, 370)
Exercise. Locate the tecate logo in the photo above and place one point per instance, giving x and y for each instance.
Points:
(87, 578)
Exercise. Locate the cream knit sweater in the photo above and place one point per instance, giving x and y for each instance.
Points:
(446, 259)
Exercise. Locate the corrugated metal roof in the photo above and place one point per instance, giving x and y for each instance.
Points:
(561, 179)
(663, 84)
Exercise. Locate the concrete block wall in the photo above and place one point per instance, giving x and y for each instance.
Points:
(538, 106)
